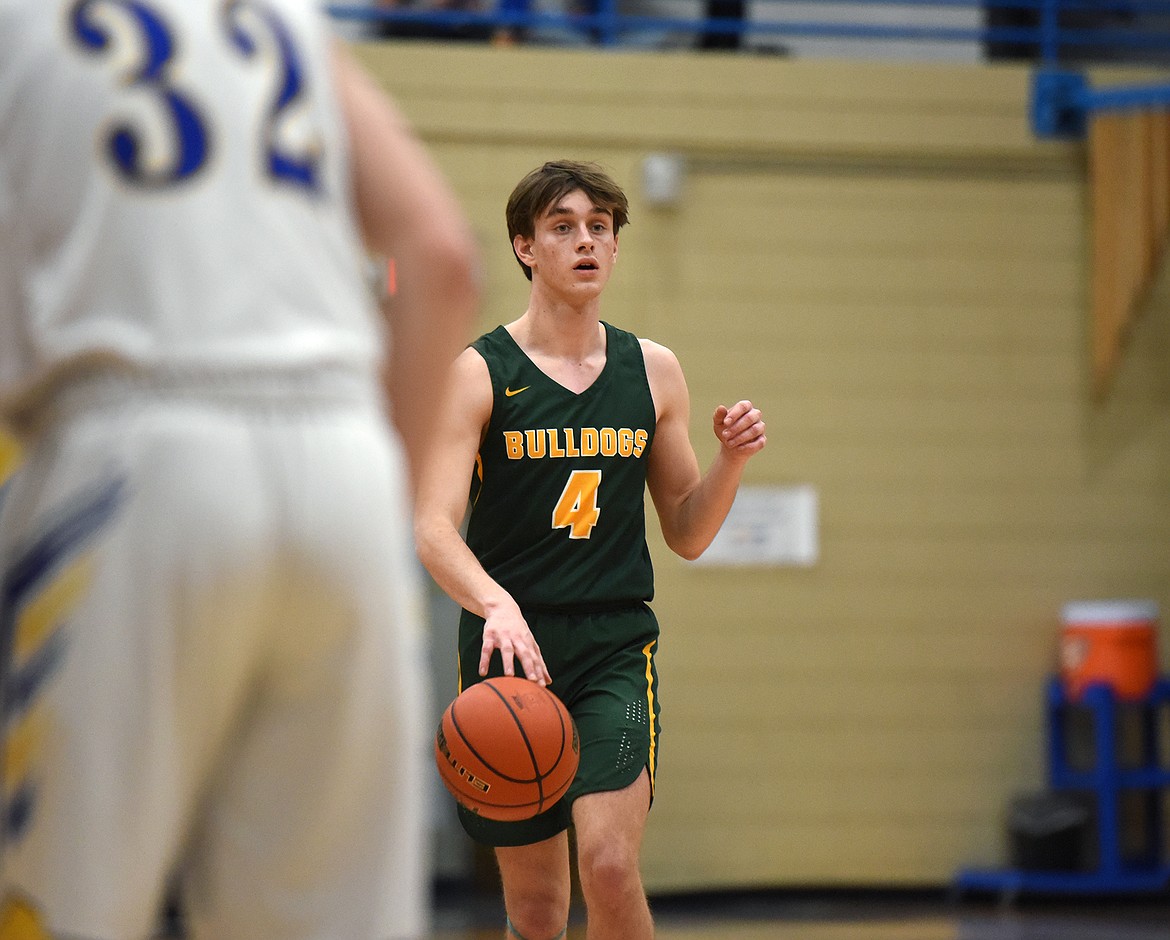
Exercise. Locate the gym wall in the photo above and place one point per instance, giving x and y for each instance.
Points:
(887, 261)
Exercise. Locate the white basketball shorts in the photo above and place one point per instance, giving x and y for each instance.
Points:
(214, 668)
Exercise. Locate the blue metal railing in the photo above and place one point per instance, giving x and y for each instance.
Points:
(1060, 37)
(1047, 30)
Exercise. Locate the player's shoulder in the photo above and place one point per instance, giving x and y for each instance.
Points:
(664, 374)
(471, 366)
(657, 356)
(469, 389)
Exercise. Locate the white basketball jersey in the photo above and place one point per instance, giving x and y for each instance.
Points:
(112, 123)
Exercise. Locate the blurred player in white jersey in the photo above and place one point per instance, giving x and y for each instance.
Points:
(209, 620)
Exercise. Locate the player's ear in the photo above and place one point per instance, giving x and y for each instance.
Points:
(522, 245)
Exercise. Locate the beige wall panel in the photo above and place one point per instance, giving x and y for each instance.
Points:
(886, 260)
(750, 104)
(958, 512)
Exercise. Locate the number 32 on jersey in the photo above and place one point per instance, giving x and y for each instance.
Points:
(244, 26)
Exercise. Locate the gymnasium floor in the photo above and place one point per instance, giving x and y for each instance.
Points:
(849, 916)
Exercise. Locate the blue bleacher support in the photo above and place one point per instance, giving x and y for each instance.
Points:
(1107, 780)
(1057, 107)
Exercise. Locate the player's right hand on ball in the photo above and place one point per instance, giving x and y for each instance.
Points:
(506, 630)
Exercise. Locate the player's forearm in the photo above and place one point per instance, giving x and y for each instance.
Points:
(701, 514)
(430, 319)
(456, 570)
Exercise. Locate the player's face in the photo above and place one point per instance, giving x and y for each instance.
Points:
(573, 247)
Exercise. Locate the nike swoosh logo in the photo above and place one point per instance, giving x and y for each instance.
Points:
(516, 391)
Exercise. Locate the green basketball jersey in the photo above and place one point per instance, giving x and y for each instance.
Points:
(558, 493)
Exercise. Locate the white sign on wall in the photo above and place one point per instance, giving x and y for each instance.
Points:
(768, 525)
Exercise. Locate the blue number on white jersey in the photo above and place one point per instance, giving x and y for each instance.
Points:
(191, 133)
(282, 165)
(124, 143)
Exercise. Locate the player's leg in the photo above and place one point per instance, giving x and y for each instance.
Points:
(533, 854)
(537, 888)
(609, 828)
(316, 826)
(84, 844)
(106, 641)
(616, 712)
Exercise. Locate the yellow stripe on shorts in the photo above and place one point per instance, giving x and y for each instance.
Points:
(648, 652)
(19, 921)
(10, 455)
(52, 605)
(21, 747)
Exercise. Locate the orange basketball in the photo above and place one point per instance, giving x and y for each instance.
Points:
(507, 748)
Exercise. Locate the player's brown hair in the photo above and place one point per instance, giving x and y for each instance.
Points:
(546, 184)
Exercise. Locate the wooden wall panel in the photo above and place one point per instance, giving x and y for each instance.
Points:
(886, 261)
(1130, 176)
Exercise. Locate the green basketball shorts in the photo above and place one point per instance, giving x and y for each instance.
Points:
(602, 667)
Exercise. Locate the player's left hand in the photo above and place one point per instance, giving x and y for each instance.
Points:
(740, 429)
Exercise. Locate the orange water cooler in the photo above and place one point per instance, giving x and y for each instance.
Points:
(1110, 642)
(1107, 693)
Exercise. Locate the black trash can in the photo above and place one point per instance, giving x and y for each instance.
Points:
(1048, 831)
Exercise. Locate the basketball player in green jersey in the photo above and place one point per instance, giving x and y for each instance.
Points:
(561, 421)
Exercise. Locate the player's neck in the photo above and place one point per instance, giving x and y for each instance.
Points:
(561, 331)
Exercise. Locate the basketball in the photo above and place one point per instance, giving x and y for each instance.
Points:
(507, 748)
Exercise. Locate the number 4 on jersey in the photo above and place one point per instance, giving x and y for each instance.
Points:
(577, 508)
